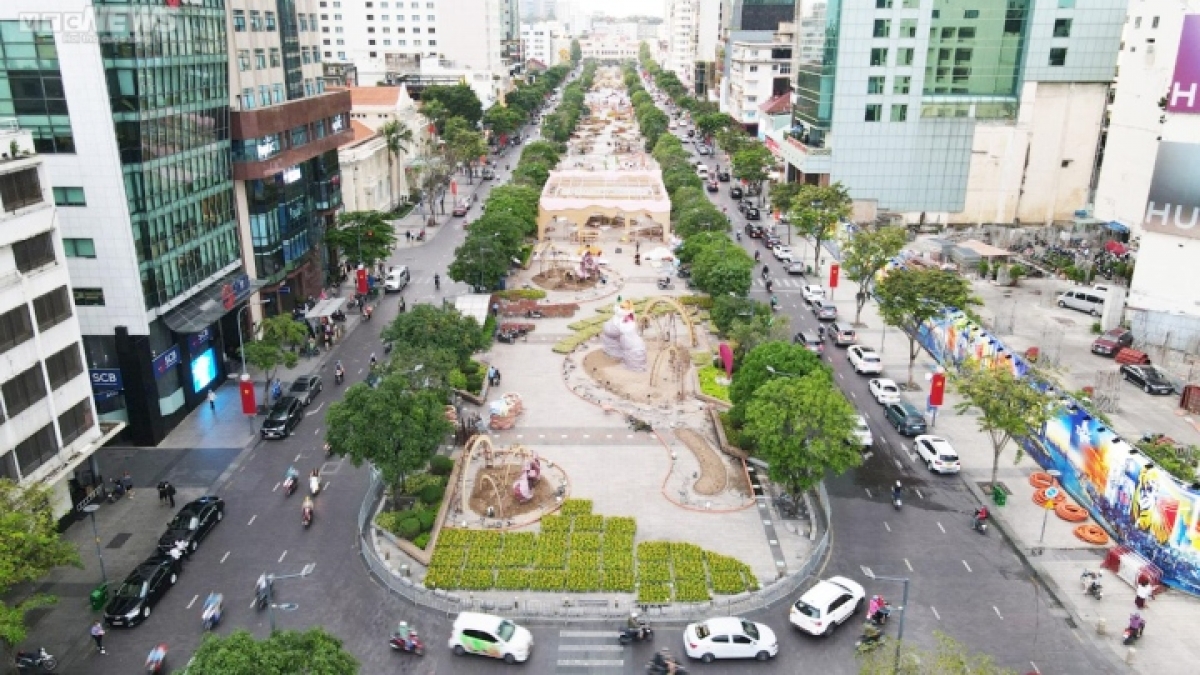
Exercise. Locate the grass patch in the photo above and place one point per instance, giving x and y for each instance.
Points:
(709, 385)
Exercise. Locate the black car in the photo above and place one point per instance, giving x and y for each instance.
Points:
(735, 192)
(712, 186)
(771, 240)
(723, 176)
(283, 418)
(754, 230)
(744, 204)
(752, 213)
(908, 420)
(1150, 379)
(192, 523)
(306, 389)
(141, 590)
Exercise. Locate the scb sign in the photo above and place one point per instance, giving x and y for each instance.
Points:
(105, 379)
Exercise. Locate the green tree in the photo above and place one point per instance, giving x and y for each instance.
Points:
(436, 327)
(312, 652)
(541, 151)
(30, 546)
(436, 112)
(783, 196)
(728, 309)
(398, 138)
(502, 120)
(947, 658)
(762, 327)
(464, 144)
(459, 99)
(733, 140)
(801, 426)
(908, 297)
(576, 53)
(532, 173)
(710, 124)
(367, 235)
(752, 372)
(519, 201)
(278, 338)
(693, 245)
(816, 211)
(722, 270)
(865, 255)
(480, 263)
(1008, 406)
(752, 163)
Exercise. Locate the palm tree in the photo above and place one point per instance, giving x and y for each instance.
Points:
(398, 138)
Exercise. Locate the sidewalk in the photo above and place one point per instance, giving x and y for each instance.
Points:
(1057, 557)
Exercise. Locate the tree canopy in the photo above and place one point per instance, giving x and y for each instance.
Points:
(30, 546)
(908, 297)
(723, 269)
(752, 163)
(752, 372)
(275, 346)
(865, 255)
(459, 100)
(502, 119)
(816, 211)
(366, 236)
(949, 657)
(312, 652)
(429, 326)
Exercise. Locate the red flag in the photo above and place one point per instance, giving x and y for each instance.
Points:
(246, 388)
(454, 188)
(937, 388)
(833, 275)
(361, 279)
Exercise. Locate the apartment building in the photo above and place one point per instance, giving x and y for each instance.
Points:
(539, 42)
(48, 424)
(759, 72)
(692, 32)
(744, 22)
(373, 179)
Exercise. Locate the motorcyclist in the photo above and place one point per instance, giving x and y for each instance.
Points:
(770, 285)
(664, 662)
(981, 515)
(314, 481)
(774, 303)
(374, 362)
(306, 509)
(897, 491)
(634, 623)
(757, 256)
(405, 632)
(766, 271)
(212, 609)
(155, 660)
(339, 371)
(1137, 625)
(878, 610)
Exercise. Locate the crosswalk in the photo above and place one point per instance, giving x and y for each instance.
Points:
(588, 651)
(796, 282)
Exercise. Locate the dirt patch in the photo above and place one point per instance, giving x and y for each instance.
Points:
(713, 473)
(739, 482)
(611, 374)
(560, 280)
(503, 476)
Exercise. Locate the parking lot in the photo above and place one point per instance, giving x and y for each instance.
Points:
(1027, 316)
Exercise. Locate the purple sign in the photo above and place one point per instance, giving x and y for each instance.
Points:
(1184, 94)
(196, 341)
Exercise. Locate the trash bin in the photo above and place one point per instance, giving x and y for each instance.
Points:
(999, 495)
(99, 597)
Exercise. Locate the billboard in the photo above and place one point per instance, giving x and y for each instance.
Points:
(1139, 504)
(1184, 94)
(1173, 205)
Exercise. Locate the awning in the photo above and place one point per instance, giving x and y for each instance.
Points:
(1115, 247)
(208, 306)
(1117, 227)
(324, 308)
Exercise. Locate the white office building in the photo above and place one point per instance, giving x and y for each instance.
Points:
(692, 32)
(539, 41)
(758, 73)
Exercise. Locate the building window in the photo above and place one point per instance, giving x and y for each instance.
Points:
(1058, 56)
(24, 390)
(905, 56)
(1062, 28)
(52, 308)
(875, 84)
(79, 248)
(76, 421)
(879, 56)
(34, 252)
(387, 29)
(874, 112)
(387, 43)
(243, 56)
(271, 21)
(88, 297)
(371, 43)
(255, 20)
(416, 30)
(1066, 4)
(901, 84)
(965, 34)
(69, 196)
(277, 93)
(20, 189)
(276, 60)
(329, 55)
(342, 55)
(239, 20)
(15, 327)
(911, 4)
(908, 28)
(370, 29)
(260, 59)
(1137, 22)
(971, 14)
(264, 95)
(883, 28)
(883, 4)
(35, 450)
(899, 113)
(433, 43)
(64, 366)
(247, 99)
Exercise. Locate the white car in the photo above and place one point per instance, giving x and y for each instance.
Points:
(812, 292)
(937, 453)
(862, 432)
(489, 635)
(827, 605)
(884, 390)
(865, 360)
(729, 637)
(782, 253)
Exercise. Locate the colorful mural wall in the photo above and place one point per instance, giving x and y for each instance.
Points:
(1139, 504)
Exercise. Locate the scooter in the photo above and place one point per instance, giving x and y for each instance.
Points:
(314, 485)
(897, 500)
(662, 666)
(643, 634)
(41, 660)
(262, 592)
(1137, 626)
(1091, 584)
(306, 512)
(978, 524)
(339, 375)
(210, 617)
(156, 659)
(289, 485)
(665, 284)
(400, 641)
(366, 312)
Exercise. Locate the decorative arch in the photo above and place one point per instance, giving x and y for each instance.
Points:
(683, 313)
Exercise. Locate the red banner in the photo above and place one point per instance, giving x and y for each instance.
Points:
(454, 188)
(246, 389)
(937, 388)
(361, 280)
(833, 275)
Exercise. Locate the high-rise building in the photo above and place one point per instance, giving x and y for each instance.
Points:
(48, 426)
(744, 22)
(758, 73)
(692, 29)
(953, 111)
(538, 42)
(129, 107)
(286, 130)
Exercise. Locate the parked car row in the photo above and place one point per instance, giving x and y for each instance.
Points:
(287, 412)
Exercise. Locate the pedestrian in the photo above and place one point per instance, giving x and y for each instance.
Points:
(170, 493)
(408, 235)
(1144, 592)
(162, 492)
(212, 400)
(98, 635)
(127, 483)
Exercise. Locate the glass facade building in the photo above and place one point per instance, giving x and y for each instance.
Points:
(285, 224)
(31, 88)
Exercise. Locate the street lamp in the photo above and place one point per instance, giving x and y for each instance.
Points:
(91, 510)
(903, 610)
(287, 606)
(241, 344)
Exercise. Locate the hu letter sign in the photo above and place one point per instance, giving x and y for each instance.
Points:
(1173, 205)
(1184, 93)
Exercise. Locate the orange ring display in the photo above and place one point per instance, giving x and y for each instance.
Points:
(1039, 497)
(1071, 512)
(1092, 534)
(1041, 479)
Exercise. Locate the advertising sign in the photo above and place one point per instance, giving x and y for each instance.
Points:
(360, 279)
(166, 361)
(196, 341)
(246, 390)
(106, 379)
(834, 269)
(1184, 94)
(1173, 205)
(204, 370)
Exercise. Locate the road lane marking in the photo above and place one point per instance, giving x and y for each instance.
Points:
(941, 528)
(276, 487)
(298, 456)
(886, 526)
(585, 633)
(967, 566)
(935, 613)
(225, 556)
(281, 557)
(919, 495)
(251, 520)
(591, 648)
(908, 565)
(997, 610)
(315, 410)
(853, 395)
(586, 663)
(869, 495)
(1035, 668)
(194, 599)
(898, 464)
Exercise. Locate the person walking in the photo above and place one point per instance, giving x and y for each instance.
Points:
(127, 483)
(162, 492)
(98, 635)
(170, 492)
(212, 400)
(1143, 593)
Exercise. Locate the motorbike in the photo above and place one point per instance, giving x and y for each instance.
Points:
(662, 666)
(897, 500)
(401, 639)
(339, 375)
(262, 592)
(367, 311)
(880, 616)
(1091, 584)
(211, 615)
(289, 485)
(306, 512)
(1133, 632)
(41, 661)
(338, 316)
(157, 658)
(979, 524)
(116, 492)
(533, 314)
(643, 634)
(314, 484)
(664, 283)
(421, 236)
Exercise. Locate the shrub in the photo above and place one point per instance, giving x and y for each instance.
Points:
(620, 525)
(700, 301)
(477, 579)
(489, 332)
(427, 518)
(421, 541)
(414, 484)
(653, 594)
(454, 537)
(547, 580)
(577, 507)
(585, 541)
(617, 581)
(583, 579)
(442, 577)
(447, 556)
(513, 580)
(691, 590)
(441, 465)
(409, 527)
(522, 293)
(432, 494)
(588, 523)
(709, 385)
(474, 380)
(553, 523)
(456, 379)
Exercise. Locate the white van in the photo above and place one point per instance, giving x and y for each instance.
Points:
(702, 170)
(396, 280)
(1090, 300)
(489, 635)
